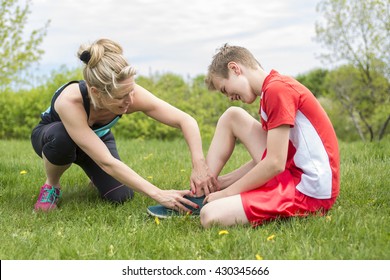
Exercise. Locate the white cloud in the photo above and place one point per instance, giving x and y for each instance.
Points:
(181, 36)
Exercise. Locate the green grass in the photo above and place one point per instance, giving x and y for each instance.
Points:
(87, 228)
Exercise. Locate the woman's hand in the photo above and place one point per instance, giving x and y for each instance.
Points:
(175, 200)
(202, 182)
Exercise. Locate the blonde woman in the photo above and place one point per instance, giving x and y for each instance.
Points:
(76, 129)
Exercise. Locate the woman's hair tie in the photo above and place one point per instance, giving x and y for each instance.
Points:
(85, 56)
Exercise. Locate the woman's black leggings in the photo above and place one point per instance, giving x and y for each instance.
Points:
(55, 143)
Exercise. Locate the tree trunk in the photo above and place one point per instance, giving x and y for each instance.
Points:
(368, 126)
(383, 128)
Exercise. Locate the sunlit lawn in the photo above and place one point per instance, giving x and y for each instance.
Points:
(85, 227)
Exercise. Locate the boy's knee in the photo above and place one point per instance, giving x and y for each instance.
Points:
(231, 114)
(206, 217)
(233, 111)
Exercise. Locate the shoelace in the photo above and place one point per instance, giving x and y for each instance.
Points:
(50, 195)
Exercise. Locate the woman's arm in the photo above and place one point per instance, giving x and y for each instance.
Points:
(167, 114)
(72, 113)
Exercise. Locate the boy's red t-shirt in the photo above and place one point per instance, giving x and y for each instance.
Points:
(313, 154)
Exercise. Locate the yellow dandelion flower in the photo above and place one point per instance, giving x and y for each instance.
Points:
(150, 177)
(223, 232)
(182, 170)
(271, 237)
(157, 220)
(23, 172)
(258, 257)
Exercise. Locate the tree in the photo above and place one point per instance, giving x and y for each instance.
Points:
(357, 32)
(343, 85)
(18, 51)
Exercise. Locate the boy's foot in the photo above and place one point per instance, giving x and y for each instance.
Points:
(162, 212)
(48, 198)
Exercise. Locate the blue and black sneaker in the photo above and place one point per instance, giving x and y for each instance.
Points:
(163, 212)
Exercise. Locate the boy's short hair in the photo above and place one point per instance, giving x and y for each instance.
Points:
(226, 54)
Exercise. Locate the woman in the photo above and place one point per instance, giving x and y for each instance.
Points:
(76, 129)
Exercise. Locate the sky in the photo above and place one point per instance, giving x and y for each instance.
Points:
(180, 36)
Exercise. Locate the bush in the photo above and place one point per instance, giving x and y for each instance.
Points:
(20, 111)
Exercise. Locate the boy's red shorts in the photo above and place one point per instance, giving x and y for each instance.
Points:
(279, 198)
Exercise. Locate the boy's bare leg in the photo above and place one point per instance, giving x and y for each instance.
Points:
(232, 212)
(234, 124)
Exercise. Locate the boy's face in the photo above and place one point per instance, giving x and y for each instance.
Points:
(235, 87)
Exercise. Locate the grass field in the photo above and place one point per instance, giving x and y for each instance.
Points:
(87, 228)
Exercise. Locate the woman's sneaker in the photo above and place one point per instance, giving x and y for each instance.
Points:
(48, 198)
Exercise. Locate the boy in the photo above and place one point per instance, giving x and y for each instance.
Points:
(294, 169)
(295, 166)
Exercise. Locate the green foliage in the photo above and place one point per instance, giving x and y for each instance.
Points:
(357, 32)
(314, 80)
(367, 105)
(318, 82)
(16, 52)
(341, 121)
(191, 97)
(357, 110)
(20, 111)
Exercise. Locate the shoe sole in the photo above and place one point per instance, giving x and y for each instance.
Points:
(162, 212)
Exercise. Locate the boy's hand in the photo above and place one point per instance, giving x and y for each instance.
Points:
(214, 196)
(202, 182)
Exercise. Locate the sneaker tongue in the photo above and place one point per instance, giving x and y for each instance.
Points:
(49, 194)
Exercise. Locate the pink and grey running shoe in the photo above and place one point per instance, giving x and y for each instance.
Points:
(48, 198)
